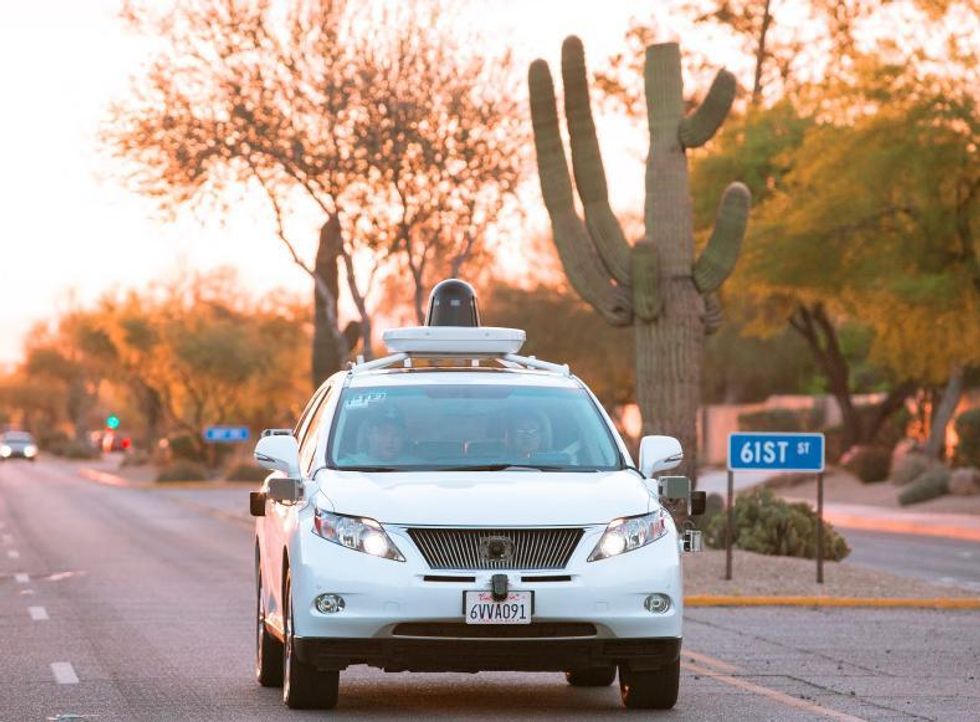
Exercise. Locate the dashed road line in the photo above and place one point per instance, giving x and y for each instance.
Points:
(64, 673)
(13, 554)
(38, 614)
(21, 578)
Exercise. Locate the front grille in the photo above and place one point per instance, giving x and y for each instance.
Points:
(516, 549)
(461, 630)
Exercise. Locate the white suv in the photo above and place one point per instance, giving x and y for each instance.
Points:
(457, 507)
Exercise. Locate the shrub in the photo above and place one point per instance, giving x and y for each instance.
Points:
(78, 450)
(779, 420)
(246, 472)
(868, 463)
(53, 440)
(183, 470)
(185, 446)
(136, 457)
(968, 431)
(911, 467)
(767, 524)
(929, 485)
(965, 481)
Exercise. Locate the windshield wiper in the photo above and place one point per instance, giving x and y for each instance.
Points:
(511, 467)
(368, 468)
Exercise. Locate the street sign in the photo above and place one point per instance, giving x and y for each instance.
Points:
(775, 452)
(226, 434)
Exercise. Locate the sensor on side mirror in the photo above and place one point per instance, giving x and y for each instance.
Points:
(674, 487)
(256, 503)
(285, 490)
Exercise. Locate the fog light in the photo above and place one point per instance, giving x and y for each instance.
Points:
(329, 603)
(657, 603)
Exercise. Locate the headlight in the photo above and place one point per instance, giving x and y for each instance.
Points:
(625, 535)
(356, 532)
(30, 450)
(4, 450)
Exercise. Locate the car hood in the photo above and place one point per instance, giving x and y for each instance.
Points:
(500, 498)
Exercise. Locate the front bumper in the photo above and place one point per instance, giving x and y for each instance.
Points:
(382, 595)
(466, 655)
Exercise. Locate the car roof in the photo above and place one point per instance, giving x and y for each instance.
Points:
(436, 376)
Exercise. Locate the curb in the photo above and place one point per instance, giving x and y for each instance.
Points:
(721, 600)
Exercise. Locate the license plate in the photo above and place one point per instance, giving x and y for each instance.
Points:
(480, 608)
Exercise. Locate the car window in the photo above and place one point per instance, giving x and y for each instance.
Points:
(307, 448)
(303, 425)
(442, 426)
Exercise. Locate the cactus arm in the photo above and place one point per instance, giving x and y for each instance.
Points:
(590, 178)
(578, 254)
(697, 128)
(718, 258)
(714, 313)
(647, 300)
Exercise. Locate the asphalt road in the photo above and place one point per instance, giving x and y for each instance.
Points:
(934, 559)
(124, 604)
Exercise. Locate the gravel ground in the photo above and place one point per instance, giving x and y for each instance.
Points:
(759, 574)
(842, 486)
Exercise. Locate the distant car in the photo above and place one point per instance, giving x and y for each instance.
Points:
(17, 444)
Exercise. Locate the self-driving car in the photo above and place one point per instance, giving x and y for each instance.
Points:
(14, 444)
(457, 507)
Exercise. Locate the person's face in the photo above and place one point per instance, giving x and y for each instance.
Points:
(385, 441)
(526, 436)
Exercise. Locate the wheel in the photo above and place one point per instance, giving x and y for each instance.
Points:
(268, 649)
(653, 689)
(593, 677)
(303, 685)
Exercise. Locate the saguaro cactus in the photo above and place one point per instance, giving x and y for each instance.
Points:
(655, 284)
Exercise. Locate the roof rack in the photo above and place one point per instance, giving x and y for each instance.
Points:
(507, 360)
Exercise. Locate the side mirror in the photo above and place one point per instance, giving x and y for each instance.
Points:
(659, 453)
(285, 490)
(277, 450)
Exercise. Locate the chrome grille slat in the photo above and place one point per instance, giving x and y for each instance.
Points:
(460, 549)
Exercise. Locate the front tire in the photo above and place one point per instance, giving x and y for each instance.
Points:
(303, 686)
(650, 689)
(268, 649)
(593, 677)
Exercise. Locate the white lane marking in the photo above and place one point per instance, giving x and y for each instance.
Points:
(64, 673)
(13, 554)
(26, 591)
(38, 614)
(21, 578)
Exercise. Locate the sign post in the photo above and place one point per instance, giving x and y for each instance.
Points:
(775, 452)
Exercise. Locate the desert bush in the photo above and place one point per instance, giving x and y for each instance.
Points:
(868, 463)
(183, 470)
(929, 485)
(911, 467)
(77, 450)
(968, 431)
(964, 481)
(186, 447)
(246, 472)
(779, 420)
(136, 457)
(766, 524)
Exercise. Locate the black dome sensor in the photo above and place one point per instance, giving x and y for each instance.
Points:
(452, 303)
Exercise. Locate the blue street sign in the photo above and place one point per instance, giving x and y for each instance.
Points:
(226, 434)
(775, 452)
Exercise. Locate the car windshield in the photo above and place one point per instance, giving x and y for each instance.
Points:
(20, 437)
(471, 427)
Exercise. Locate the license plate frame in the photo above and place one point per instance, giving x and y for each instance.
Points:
(484, 596)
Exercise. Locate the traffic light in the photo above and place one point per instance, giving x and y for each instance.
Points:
(112, 422)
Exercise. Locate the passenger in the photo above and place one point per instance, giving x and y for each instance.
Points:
(384, 442)
(524, 436)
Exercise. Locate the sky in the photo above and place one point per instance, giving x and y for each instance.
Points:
(70, 232)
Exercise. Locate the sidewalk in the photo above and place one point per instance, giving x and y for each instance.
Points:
(965, 527)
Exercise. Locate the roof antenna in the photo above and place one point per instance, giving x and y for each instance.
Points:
(453, 303)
